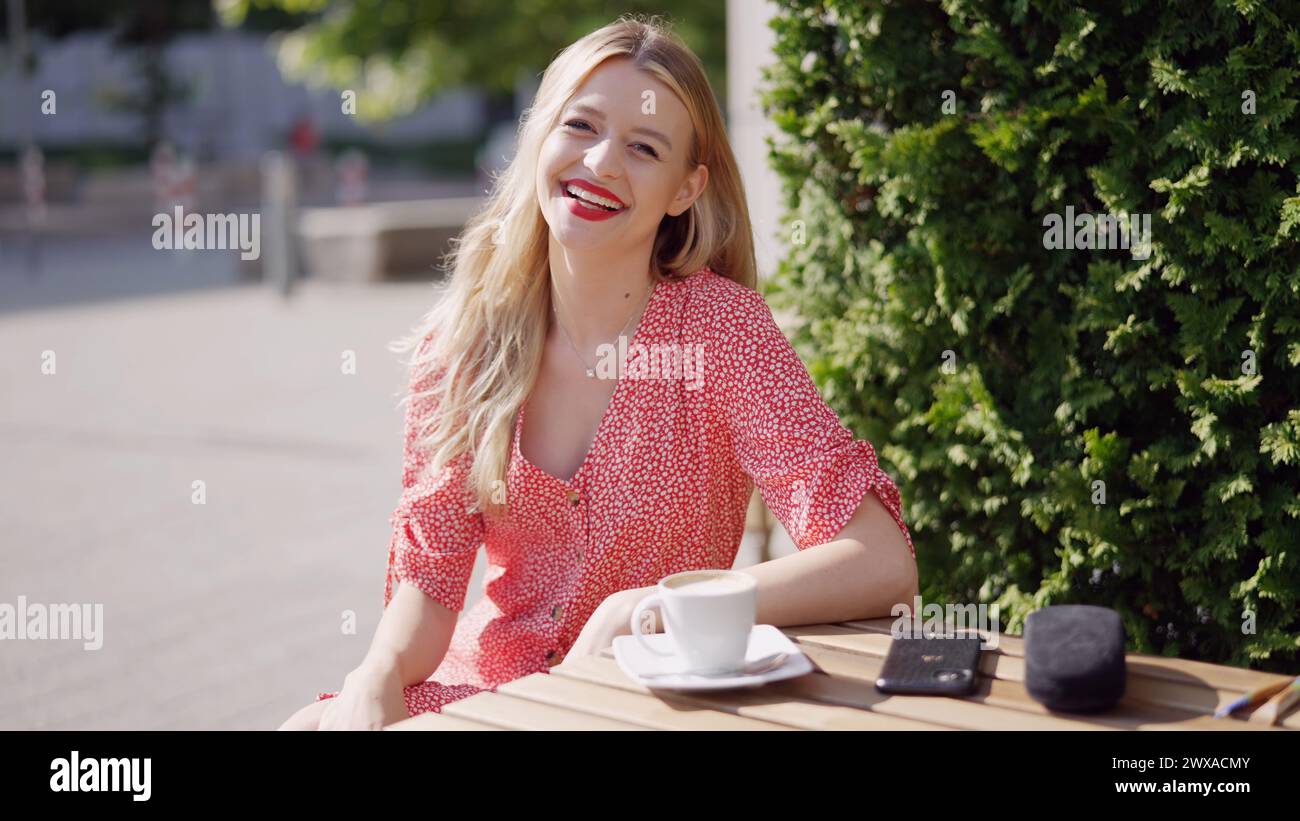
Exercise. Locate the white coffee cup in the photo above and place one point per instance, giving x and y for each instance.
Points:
(708, 614)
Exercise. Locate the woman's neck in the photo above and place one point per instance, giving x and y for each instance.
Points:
(595, 296)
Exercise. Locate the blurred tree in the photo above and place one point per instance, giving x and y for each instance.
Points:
(1090, 426)
(145, 28)
(395, 54)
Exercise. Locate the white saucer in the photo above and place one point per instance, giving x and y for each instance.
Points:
(764, 640)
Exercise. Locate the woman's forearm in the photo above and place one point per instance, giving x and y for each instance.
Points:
(835, 581)
(862, 574)
(412, 638)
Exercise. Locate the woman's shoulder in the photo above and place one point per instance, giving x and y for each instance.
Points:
(709, 283)
(718, 304)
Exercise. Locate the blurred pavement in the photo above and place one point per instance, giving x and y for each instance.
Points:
(221, 615)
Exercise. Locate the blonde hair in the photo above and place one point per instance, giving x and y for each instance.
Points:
(486, 332)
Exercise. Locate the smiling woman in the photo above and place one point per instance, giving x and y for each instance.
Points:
(622, 212)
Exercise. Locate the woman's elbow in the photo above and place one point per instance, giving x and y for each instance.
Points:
(892, 574)
(906, 582)
(911, 579)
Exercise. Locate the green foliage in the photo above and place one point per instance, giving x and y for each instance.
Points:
(398, 53)
(1171, 382)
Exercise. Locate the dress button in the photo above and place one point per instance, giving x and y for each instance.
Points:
(551, 659)
(556, 611)
(574, 498)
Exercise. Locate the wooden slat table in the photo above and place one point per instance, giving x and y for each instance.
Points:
(593, 693)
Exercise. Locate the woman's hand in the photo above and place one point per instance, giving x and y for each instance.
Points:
(371, 699)
(613, 617)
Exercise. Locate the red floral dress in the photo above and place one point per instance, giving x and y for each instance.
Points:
(663, 488)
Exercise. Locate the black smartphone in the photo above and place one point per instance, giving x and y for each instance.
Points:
(931, 665)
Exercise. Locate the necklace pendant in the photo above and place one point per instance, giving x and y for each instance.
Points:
(591, 372)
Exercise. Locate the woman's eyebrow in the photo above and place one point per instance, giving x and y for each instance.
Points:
(583, 108)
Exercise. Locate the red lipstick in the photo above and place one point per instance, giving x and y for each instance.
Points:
(586, 210)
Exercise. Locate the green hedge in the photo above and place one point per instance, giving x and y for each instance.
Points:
(1066, 426)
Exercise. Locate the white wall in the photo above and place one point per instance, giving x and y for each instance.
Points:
(749, 46)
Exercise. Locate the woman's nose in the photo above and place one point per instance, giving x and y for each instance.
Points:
(602, 160)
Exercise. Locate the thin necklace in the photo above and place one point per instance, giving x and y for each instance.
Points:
(591, 372)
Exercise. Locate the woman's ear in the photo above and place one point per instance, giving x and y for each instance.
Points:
(690, 190)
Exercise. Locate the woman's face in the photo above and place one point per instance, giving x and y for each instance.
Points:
(624, 140)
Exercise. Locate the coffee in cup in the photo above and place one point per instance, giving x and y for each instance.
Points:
(708, 615)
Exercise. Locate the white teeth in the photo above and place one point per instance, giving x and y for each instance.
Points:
(584, 194)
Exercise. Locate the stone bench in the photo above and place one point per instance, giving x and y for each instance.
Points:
(376, 241)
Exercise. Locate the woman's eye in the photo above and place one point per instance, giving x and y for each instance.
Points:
(583, 124)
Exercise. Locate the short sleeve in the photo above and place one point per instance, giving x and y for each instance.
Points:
(436, 531)
(810, 470)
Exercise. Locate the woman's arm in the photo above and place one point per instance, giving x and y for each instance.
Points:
(413, 635)
(843, 512)
(431, 554)
(411, 640)
(860, 574)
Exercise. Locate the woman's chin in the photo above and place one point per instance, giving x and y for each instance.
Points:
(587, 237)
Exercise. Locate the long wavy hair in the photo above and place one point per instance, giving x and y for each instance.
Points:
(478, 350)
